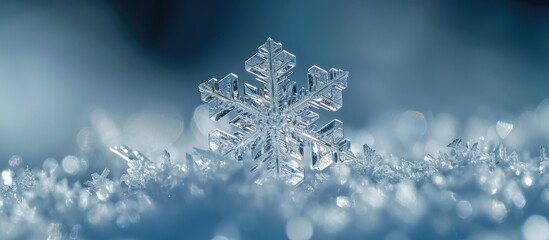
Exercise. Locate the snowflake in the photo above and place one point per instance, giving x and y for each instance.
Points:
(276, 121)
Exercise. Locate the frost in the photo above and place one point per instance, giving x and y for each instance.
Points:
(482, 182)
(141, 170)
(101, 185)
(390, 169)
(13, 186)
(276, 121)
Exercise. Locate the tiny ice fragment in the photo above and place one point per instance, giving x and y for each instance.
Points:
(368, 151)
(454, 144)
(429, 158)
(343, 202)
(101, 185)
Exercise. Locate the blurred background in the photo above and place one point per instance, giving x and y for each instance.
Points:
(418, 69)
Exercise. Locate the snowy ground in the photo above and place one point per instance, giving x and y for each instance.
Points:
(489, 187)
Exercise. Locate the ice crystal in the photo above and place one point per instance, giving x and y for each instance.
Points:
(142, 170)
(482, 183)
(13, 186)
(482, 155)
(391, 169)
(101, 185)
(276, 121)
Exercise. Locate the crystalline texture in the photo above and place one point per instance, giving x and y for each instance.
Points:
(101, 185)
(141, 170)
(276, 121)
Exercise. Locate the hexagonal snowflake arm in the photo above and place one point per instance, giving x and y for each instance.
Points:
(328, 145)
(272, 66)
(222, 97)
(325, 89)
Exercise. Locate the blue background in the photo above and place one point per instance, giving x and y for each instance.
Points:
(61, 60)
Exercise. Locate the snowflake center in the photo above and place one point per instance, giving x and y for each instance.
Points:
(276, 120)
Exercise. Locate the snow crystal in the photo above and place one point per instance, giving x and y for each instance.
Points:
(276, 121)
(101, 185)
